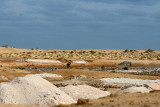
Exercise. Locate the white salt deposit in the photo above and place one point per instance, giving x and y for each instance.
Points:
(128, 81)
(136, 89)
(153, 86)
(79, 62)
(32, 90)
(44, 75)
(128, 71)
(84, 91)
(43, 61)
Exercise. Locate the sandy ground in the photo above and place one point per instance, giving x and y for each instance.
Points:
(95, 58)
(124, 100)
(115, 100)
(15, 53)
(99, 74)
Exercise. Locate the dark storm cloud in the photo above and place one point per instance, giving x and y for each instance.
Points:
(76, 22)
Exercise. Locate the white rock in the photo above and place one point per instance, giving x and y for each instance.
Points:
(128, 81)
(32, 90)
(136, 89)
(44, 75)
(84, 91)
(43, 61)
(128, 71)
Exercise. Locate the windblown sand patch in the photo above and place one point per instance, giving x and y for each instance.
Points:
(32, 90)
(84, 91)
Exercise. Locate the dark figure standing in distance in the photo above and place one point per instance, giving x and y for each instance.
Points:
(68, 64)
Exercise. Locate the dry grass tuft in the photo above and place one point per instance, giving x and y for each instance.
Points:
(82, 101)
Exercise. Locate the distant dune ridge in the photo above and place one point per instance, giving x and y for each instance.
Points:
(11, 52)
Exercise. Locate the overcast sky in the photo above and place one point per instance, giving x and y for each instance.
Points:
(80, 24)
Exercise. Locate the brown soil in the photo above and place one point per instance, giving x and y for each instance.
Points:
(123, 100)
(11, 73)
(99, 74)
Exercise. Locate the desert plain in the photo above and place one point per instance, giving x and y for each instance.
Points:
(125, 78)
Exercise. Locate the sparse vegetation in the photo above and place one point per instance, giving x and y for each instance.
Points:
(6, 46)
(149, 51)
(35, 53)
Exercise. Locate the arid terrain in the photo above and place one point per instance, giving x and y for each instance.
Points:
(15, 53)
(87, 68)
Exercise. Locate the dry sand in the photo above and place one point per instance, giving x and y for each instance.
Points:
(125, 100)
(117, 99)
(139, 58)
